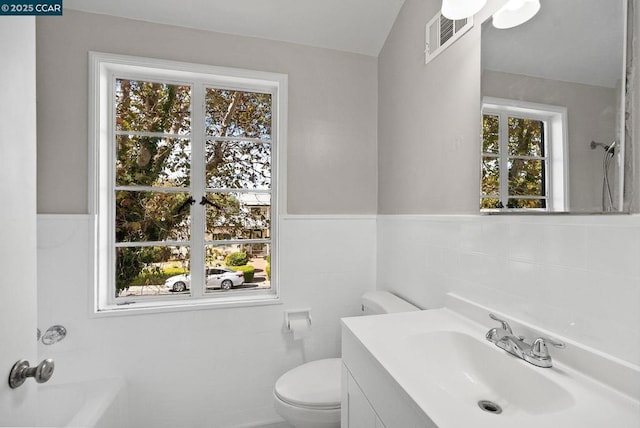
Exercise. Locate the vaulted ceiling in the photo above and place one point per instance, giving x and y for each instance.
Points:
(359, 26)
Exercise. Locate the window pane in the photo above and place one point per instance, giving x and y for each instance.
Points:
(152, 107)
(490, 134)
(526, 177)
(525, 137)
(238, 216)
(236, 164)
(152, 216)
(238, 114)
(527, 203)
(150, 161)
(486, 203)
(145, 271)
(238, 267)
(490, 176)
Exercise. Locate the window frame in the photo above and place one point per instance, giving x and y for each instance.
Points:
(556, 179)
(104, 68)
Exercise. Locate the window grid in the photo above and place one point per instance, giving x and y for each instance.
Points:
(504, 159)
(197, 241)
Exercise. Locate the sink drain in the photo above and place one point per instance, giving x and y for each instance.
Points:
(490, 407)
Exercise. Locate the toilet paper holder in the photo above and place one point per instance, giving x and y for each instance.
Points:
(296, 315)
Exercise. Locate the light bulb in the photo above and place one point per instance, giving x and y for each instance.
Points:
(515, 12)
(460, 9)
(514, 4)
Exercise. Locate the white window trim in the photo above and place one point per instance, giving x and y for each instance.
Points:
(102, 67)
(556, 139)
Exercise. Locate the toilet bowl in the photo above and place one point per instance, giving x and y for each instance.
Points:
(308, 396)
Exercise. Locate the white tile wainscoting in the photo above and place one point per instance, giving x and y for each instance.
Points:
(577, 276)
(205, 368)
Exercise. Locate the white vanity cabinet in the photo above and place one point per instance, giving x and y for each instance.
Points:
(357, 413)
(371, 398)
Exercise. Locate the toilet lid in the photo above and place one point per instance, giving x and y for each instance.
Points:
(315, 385)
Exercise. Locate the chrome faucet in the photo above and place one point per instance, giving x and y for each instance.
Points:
(536, 353)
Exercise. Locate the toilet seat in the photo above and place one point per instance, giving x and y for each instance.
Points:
(315, 385)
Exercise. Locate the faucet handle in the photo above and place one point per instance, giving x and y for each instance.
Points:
(505, 325)
(539, 347)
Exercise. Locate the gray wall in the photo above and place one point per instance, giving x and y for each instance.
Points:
(332, 155)
(428, 119)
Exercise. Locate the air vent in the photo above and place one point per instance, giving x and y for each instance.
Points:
(442, 32)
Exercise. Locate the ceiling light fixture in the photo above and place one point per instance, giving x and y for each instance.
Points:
(515, 12)
(460, 9)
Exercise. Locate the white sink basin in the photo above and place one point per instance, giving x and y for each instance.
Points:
(470, 370)
(442, 362)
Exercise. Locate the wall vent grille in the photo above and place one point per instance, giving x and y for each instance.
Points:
(441, 32)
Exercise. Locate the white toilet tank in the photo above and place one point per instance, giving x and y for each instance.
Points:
(384, 302)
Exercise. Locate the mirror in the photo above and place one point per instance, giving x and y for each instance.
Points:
(554, 110)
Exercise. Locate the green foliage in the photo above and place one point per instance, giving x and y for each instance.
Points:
(247, 270)
(268, 267)
(159, 163)
(173, 271)
(234, 164)
(525, 176)
(213, 256)
(132, 262)
(239, 258)
(156, 277)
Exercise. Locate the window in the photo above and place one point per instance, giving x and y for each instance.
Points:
(186, 161)
(523, 156)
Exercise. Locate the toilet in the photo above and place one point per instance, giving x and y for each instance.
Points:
(308, 396)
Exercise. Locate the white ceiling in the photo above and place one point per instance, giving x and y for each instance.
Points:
(569, 40)
(359, 26)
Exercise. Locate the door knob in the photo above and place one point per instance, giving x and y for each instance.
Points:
(21, 371)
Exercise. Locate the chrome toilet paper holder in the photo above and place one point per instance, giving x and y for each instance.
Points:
(296, 315)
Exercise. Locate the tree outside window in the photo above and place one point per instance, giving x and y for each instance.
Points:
(514, 163)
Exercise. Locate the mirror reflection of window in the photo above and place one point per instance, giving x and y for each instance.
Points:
(522, 157)
(523, 183)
